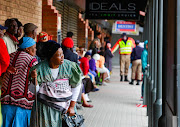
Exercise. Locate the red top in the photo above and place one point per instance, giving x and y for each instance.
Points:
(4, 57)
(84, 65)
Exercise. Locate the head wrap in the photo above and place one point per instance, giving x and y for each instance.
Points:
(27, 42)
(51, 48)
(43, 37)
(87, 53)
(68, 42)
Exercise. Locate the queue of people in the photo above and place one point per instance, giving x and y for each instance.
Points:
(58, 78)
(61, 79)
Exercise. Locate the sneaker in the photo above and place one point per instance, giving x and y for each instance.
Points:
(104, 84)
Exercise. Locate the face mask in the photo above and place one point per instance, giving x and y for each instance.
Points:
(124, 38)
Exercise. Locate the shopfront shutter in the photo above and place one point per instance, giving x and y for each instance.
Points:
(69, 17)
(72, 23)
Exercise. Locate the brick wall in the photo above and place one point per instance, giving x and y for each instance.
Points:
(50, 18)
(27, 11)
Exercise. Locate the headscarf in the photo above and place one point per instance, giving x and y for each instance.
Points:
(27, 42)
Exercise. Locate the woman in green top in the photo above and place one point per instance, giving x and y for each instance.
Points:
(58, 87)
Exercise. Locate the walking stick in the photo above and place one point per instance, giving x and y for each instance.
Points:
(36, 106)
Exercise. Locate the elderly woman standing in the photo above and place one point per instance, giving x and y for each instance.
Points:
(59, 80)
(16, 98)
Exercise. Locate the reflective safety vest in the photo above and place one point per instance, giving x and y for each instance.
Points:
(125, 48)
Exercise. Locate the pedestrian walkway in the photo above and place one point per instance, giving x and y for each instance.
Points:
(115, 105)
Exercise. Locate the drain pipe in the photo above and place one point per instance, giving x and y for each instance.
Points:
(158, 103)
(178, 61)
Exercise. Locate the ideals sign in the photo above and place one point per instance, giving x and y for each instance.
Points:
(112, 9)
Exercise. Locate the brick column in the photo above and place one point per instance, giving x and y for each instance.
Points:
(81, 37)
(50, 18)
(90, 36)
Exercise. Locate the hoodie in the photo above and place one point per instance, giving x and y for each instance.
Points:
(144, 56)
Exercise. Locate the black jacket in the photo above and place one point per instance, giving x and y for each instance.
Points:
(69, 55)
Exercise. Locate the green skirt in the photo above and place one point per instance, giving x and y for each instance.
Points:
(47, 116)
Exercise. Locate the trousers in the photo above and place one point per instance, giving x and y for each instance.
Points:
(124, 64)
(136, 69)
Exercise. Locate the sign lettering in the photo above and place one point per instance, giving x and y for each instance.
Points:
(112, 9)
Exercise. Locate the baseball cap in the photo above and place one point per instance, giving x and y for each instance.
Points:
(137, 42)
(29, 27)
(3, 27)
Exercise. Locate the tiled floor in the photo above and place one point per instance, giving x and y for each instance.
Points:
(115, 105)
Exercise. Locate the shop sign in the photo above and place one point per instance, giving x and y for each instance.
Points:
(130, 28)
(124, 26)
(112, 9)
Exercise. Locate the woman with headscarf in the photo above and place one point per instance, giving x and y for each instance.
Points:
(59, 81)
(16, 98)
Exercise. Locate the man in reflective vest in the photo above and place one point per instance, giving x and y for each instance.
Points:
(125, 45)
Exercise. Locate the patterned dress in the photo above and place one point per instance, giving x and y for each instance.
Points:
(47, 115)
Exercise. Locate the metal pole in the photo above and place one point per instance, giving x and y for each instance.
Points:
(154, 42)
(151, 84)
(148, 69)
(178, 62)
(158, 104)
